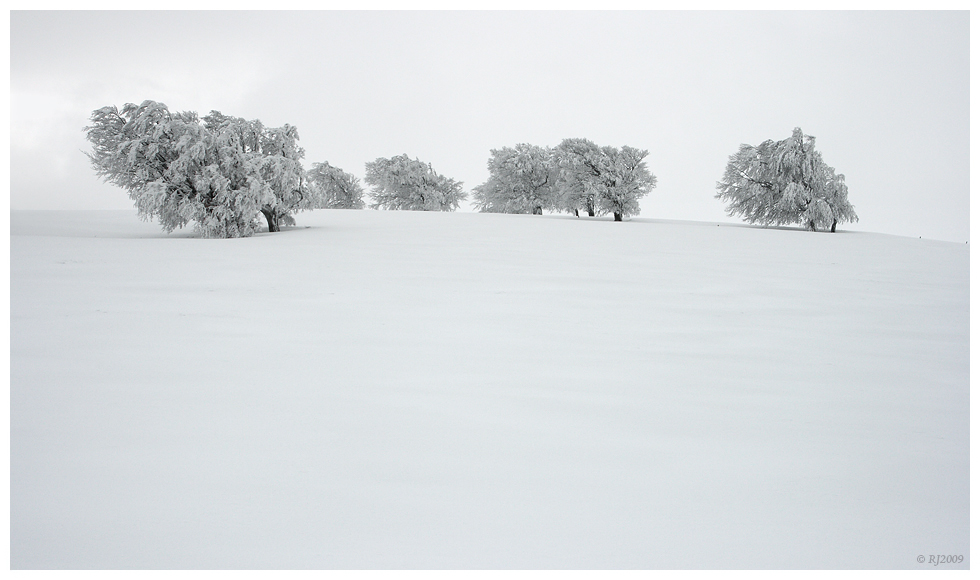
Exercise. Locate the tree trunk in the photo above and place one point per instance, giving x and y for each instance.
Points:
(270, 217)
(538, 211)
(812, 227)
(591, 212)
(833, 226)
(617, 216)
(576, 213)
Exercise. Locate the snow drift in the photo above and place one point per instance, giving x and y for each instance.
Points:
(431, 390)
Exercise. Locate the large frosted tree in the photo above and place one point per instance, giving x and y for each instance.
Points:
(333, 188)
(218, 172)
(602, 180)
(403, 183)
(271, 160)
(785, 182)
(522, 180)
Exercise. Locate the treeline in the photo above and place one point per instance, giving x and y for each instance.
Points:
(576, 175)
(217, 172)
(220, 172)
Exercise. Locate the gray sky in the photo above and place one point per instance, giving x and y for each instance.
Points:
(886, 94)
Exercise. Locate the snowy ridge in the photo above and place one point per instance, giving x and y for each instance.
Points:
(377, 389)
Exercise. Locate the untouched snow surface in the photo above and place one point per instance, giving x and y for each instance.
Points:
(430, 390)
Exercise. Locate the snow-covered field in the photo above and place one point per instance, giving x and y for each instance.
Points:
(430, 390)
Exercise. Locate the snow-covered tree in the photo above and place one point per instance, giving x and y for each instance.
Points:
(602, 179)
(218, 172)
(522, 180)
(403, 183)
(785, 182)
(272, 160)
(626, 180)
(333, 188)
(576, 189)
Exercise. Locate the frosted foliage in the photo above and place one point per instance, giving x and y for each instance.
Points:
(403, 183)
(602, 180)
(625, 181)
(333, 188)
(522, 180)
(785, 182)
(218, 172)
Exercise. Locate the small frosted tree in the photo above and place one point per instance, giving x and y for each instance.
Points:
(576, 179)
(333, 188)
(602, 180)
(785, 182)
(409, 184)
(522, 180)
(625, 181)
(218, 172)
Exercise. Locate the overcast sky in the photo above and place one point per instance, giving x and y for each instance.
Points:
(886, 94)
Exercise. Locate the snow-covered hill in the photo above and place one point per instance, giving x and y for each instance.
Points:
(429, 390)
